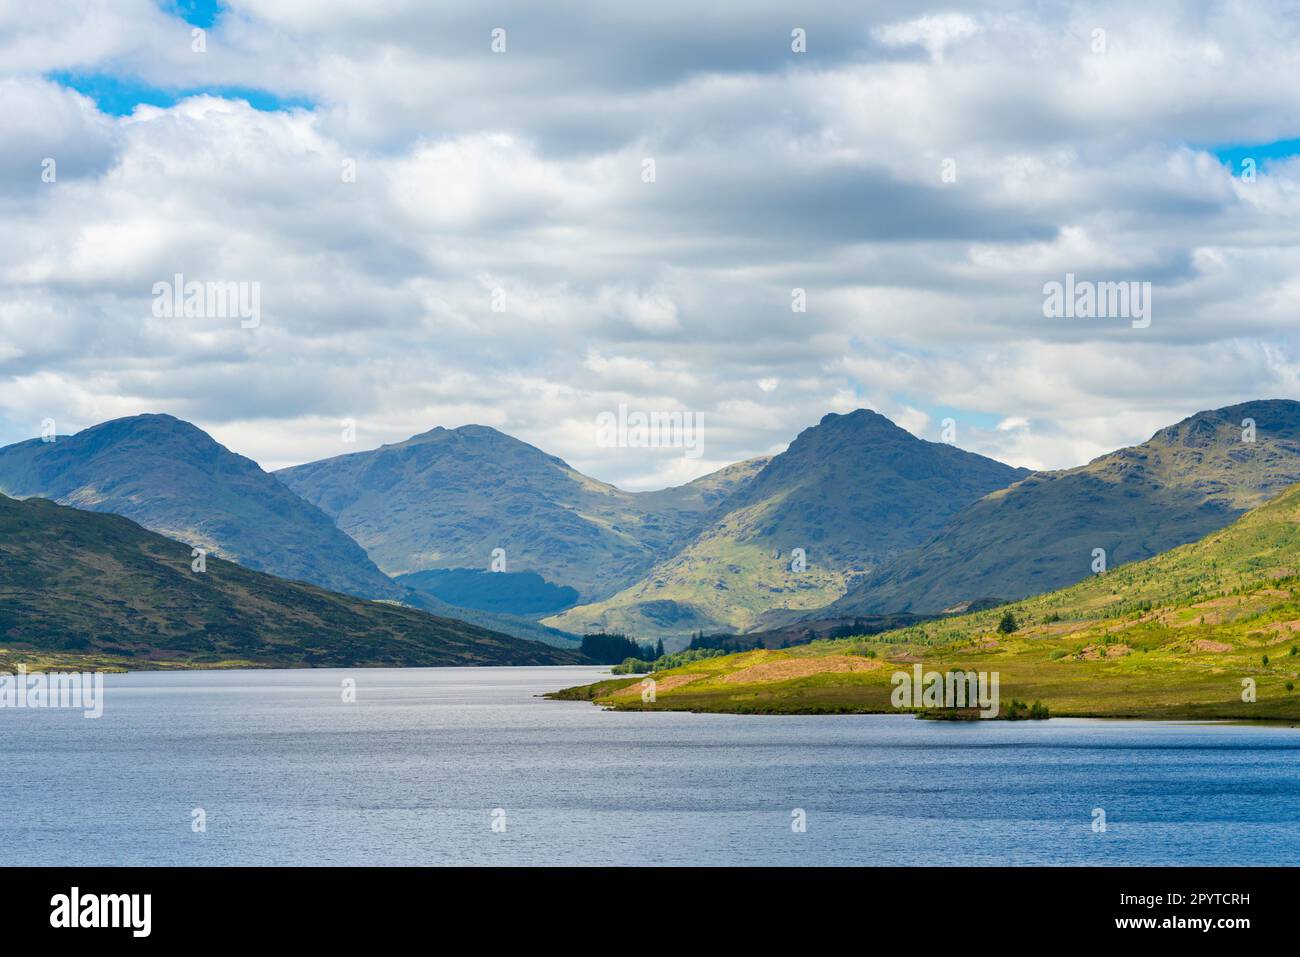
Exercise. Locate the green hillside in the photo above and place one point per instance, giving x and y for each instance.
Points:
(508, 624)
(1173, 636)
(1186, 481)
(522, 593)
(172, 478)
(97, 589)
(449, 497)
(852, 492)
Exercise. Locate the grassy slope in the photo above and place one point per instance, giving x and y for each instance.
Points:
(717, 582)
(78, 585)
(1169, 637)
(851, 491)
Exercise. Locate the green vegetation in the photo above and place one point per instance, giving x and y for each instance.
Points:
(1017, 710)
(637, 666)
(515, 625)
(850, 492)
(511, 593)
(86, 587)
(1170, 637)
(607, 649)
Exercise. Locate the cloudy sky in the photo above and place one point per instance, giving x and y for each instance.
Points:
(444, 233)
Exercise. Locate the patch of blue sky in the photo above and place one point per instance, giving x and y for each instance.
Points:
(199, 13)
(120, 95)
(1262, 153)
(11, 431)
(964, 418)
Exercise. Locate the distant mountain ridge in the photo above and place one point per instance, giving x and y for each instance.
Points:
(523, 593)
(856, 519)
(447, 498)
(851, 492)
(174, 479)
(1187, 480)
(82, 583)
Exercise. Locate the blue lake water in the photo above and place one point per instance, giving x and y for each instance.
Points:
(287, 773)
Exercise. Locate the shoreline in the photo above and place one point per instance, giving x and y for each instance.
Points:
(784, 699)
(45, 664)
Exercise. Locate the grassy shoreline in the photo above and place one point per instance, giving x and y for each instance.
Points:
(853, 676)
(1209, 630)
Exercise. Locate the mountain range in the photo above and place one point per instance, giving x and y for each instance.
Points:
(450, 498)
(174, 479)
(856, 520)
(1040, 533)
(849, 493)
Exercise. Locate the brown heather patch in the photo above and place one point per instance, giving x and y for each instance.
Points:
(1205, 644)
(1059, 629)
(1211, 618)
(786, 669)
(661, 684)
(1094, 652)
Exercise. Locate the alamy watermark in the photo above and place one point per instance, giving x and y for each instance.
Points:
(208, 300)
(955, 689)
(75, 909)
(55, 689)
(1085, 299)
(651, 430)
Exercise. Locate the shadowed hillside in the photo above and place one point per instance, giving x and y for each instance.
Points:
(449, 497)
(80, 583)
(172, 478)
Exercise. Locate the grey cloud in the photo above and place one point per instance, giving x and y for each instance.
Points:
(774, 171)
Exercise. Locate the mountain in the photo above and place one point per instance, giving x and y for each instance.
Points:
(448, 498)
(1210, 629)
(705, 494)
(852, 491)
(172, 478)
(1188, 480)
(82, 583)
(508, 624)
(523, 593)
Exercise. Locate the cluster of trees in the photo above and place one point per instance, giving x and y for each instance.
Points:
(1019, 711)
(729, 642)
(610, 649)
(635, 666)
